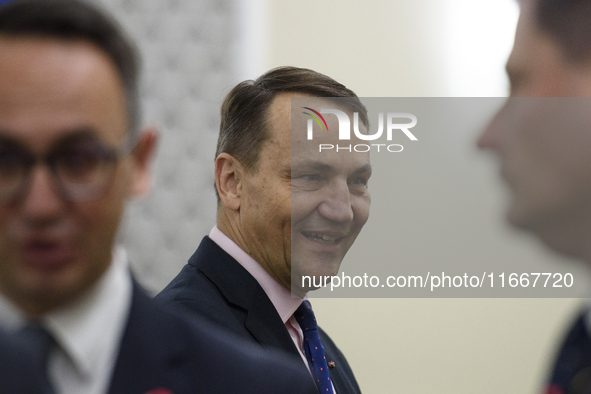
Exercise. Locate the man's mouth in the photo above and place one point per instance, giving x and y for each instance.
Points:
(322, 238)
(46, 254)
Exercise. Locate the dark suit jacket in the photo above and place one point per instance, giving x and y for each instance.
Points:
(19, 371)
(162, 351)
(572, 368)
(215, 286)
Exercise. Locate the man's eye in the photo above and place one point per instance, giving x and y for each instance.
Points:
(359, 181)
(82, 162)
(358, 184)
(310, 178)
(11, 163)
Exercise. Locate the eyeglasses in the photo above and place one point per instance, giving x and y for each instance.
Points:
(82, 166)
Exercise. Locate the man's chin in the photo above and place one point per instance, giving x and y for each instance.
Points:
(40, 299)
(515, 220)
(555, 234)
(519, 217)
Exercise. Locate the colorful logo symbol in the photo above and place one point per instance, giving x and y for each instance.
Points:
(315, 118)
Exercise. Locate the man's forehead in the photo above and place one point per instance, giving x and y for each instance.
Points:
(356, 165)
(280, 116)
(282, 103)
(307, 155)
(50, 86)
(52, 50)
(530, 37)
(50, 66)
(524, 32)
(532, 47)
(287, 124)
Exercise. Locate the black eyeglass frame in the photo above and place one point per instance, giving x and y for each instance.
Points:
(73, 192)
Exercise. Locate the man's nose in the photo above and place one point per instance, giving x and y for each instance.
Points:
(42, 199)
(336, 204)
(491, 137)
(486, 140)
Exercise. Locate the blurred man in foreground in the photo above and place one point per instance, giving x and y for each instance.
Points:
(543, 138)
(71, 154)
(283, 209)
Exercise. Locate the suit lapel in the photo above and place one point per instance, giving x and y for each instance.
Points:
(242, 290)
(264, 323)
(255, 311)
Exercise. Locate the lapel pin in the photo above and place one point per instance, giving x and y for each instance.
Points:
(331, 364)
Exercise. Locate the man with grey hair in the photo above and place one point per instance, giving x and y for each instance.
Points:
(543, 138)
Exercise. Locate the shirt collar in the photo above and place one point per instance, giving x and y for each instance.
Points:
(281, 298)
(11, 318)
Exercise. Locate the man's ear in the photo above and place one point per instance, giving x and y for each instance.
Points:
(228, 171)
(142, 157)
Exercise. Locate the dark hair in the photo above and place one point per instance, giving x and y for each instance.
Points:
(77, 20)
(569, 22)
(244, 127)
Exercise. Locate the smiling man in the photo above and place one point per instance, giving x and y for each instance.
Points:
(71, 155)
(542, 137)
(329, 194)
(283, 210)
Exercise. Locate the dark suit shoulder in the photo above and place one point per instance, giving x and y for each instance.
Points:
(209, 270)
(19, 371)
(573, 361)
(198, 289)
(215, 287)
(161, 349)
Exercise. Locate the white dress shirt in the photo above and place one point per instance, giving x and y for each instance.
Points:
(87, 331)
